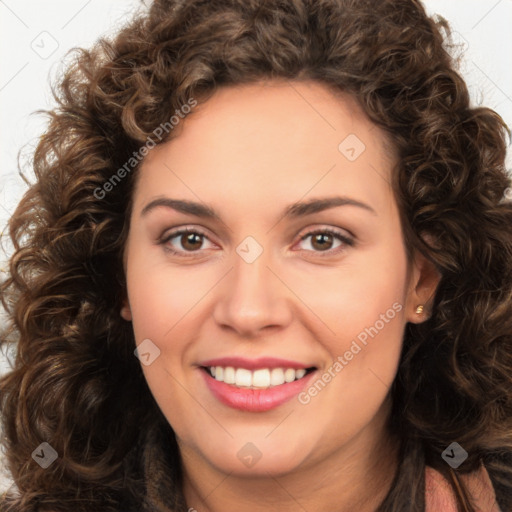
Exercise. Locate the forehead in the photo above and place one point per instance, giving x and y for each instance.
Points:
(275, 140)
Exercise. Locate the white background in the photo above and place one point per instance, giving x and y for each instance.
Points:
(35, 35)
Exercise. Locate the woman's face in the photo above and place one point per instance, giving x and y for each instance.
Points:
(255, 293)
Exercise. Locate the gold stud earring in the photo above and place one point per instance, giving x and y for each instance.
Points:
(419, 309)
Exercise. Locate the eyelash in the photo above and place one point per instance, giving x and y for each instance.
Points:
(330, 252)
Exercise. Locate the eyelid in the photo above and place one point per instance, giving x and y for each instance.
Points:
(172, 233)
(324, 228)
(347, 239)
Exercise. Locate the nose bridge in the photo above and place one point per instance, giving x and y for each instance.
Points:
(252, 297)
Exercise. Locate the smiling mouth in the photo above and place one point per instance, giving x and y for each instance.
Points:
(263, 378)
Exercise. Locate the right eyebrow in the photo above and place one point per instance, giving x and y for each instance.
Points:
(294, 210)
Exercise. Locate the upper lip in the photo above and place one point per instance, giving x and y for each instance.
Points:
(255, 364)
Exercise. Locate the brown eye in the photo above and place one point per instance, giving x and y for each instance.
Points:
(324, 240)
(183, 241)
(191, 241)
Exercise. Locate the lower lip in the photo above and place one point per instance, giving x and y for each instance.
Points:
(255, 400)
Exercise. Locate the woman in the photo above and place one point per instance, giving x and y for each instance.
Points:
(266, 265)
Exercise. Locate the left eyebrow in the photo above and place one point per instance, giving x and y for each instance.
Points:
(318, 205)
(294, 210)
(183, 206)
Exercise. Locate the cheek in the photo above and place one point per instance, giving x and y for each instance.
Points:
(364, 310)
(160, 296)
(162, 302)
(367, 291)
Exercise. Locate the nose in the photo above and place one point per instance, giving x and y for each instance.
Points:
(252, 299)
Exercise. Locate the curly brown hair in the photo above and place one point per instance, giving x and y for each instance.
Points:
(76, 383)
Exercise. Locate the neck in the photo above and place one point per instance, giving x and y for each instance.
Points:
(355, 477)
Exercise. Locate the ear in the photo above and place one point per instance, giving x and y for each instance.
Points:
(424, 279)
(126, 312)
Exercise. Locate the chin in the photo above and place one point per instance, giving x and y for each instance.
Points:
(258, 458)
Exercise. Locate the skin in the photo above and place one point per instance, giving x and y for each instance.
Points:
(249, 152)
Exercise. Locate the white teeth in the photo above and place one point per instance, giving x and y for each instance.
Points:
(261, 379)
(243, 377)
(289, 375)
(277, 377)
(300, 373)
(229, 375)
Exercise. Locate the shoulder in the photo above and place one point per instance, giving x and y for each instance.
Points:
(439, 494)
